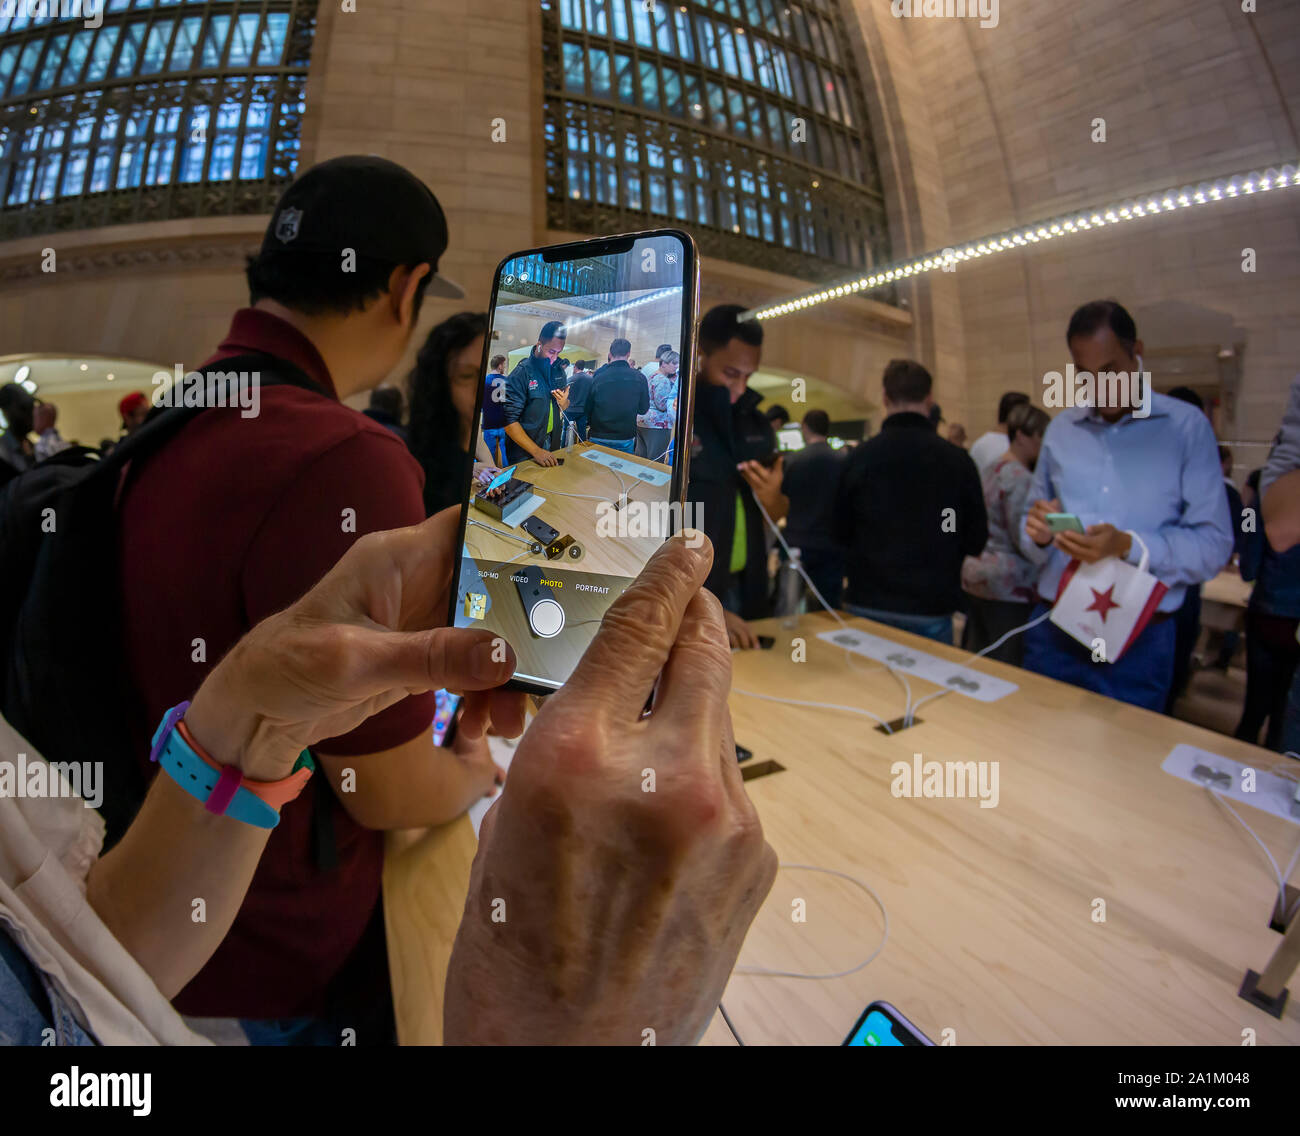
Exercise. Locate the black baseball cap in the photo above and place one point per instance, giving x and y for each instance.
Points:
(366, 203)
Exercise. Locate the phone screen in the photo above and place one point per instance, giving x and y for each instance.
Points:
(1064, 522)
(444, 716)
(587, 381)
(879, 1026)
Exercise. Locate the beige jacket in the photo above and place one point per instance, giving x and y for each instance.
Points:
(47, 847)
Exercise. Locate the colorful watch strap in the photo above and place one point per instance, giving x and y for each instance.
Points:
(222, 788)
(277, 794)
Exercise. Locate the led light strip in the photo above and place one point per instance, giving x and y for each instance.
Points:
(620, 308)
(1169, 201)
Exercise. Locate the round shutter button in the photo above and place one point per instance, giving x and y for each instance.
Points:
(546, 618)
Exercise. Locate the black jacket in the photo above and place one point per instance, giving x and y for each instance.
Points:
(618, 394)
(909, 510)
(811, 475)
(725, 434)
(528, 400)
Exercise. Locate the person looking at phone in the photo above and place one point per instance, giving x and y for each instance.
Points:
(654, 428)
(235, 519)
(733, 467)
(92, 946)
(536, 398)
(1157, 476)
(618, 394)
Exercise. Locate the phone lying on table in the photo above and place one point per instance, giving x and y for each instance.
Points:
(542, 561)
(882, 1024)
(1064, 522)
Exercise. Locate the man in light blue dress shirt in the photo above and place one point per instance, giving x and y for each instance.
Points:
(1135, 462)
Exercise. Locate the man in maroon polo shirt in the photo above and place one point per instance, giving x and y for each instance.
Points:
(236, 518)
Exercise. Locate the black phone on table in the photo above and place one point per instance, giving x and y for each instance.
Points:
(615, 298)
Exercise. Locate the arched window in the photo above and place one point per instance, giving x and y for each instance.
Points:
(140, 110)
(741, 120)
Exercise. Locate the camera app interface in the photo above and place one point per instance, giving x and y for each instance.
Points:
(575, 445)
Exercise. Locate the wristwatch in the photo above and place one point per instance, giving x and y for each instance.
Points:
(222, 788)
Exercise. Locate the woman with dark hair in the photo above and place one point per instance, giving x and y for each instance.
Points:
(444, 388)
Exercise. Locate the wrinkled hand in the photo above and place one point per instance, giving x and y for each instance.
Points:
(1036, 526)
(1099, 542)
(486, 774)
(624, 909)
(365, 637)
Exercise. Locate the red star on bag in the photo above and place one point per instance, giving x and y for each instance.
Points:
(1102, 601)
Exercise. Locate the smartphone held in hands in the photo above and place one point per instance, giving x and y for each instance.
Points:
(598, 481)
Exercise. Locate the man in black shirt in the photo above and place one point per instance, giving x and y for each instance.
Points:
(618, 394)
(810, 475)
(732, 441)
(909, 510)
(535, 400)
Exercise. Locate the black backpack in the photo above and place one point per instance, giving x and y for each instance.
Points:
(63, 681)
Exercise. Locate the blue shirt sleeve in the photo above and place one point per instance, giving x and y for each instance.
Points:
(1194, 548)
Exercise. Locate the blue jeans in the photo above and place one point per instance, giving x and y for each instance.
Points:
(627, 445)
(937, 627)
(1142, 677)
(30, 1004)
(495, 440)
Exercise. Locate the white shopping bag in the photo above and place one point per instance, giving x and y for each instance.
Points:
(1108, 600)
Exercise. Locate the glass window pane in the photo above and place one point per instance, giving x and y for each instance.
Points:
(271, 44)
(573, 70)
(26, 65)
(742, 54)
(101, 55)
(243, 41)
(623, 79)
(672, 92)
(128, 52)
(621, 29)
(571, 14)
(155, 48)
(685, 43)
(649, 85)
(645, 35)
(717, 107)
(187, 38)
(215, 41)
(598, 61)
(50, 64)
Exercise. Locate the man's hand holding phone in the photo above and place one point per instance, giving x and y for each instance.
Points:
(1036, 526)
(1099, 542)
(765, 482)
(598, 876)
